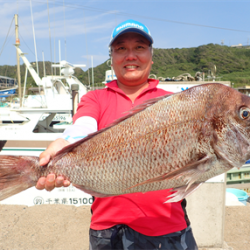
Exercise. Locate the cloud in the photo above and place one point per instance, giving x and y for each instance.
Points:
(102, 39)
(75, 26)
(77, 22)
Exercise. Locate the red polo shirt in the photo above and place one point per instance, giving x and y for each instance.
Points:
(146, 213)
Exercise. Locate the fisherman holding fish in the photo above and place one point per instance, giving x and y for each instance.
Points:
(129, 221)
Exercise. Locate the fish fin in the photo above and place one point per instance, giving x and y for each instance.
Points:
(17, 173)
(91, 192)
(132, 112)
(182, 192)
(221, 155)
(190, 171)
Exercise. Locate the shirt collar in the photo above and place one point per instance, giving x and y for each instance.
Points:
(113, 85)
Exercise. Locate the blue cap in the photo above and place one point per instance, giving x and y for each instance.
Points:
(131, 26)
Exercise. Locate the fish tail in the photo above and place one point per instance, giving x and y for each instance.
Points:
(17, 173)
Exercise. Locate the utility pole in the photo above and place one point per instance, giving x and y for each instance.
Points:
(18, 61)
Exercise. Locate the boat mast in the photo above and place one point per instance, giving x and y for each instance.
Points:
(34, 36)
(18, 61)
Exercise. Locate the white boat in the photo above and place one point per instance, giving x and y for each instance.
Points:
(28, 129)
(31, 121)
(183, 85)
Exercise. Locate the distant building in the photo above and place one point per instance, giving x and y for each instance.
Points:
(241, 46)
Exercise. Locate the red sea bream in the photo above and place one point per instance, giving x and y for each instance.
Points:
(176, 141)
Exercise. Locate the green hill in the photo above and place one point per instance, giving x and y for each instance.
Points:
(233, 64)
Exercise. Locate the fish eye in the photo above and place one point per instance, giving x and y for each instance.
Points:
(244, 113)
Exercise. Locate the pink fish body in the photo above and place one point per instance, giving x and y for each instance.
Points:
(176, 141)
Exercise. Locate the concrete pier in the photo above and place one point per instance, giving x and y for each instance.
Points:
(206, 211)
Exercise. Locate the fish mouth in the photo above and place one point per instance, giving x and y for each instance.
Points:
(242, 146)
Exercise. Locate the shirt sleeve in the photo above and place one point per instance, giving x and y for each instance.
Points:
(88, 106)
(82, 127)
(85, 119)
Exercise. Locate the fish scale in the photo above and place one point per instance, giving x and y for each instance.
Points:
(176, 141)
(141, 137)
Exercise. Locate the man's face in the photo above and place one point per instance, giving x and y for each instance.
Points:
(131, 59)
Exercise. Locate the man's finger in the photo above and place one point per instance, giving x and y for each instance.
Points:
(59, 181)
(41, 183)
(50, 182)
(44, 160)
(66, 183)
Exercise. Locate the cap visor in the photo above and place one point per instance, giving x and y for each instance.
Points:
(141, 32)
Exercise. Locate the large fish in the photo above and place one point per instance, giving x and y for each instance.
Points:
(176, 141)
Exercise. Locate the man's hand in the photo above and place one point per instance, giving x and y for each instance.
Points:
(50, 182)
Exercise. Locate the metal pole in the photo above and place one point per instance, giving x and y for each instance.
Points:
(44, 69)
(54, 40)
(60, 55)
(25, 81)
(37, 66)
(50, 40)
(93, 84)
(75, 98)
(64, 33)
(18, 61)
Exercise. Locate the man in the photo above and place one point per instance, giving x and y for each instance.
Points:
(131, 221)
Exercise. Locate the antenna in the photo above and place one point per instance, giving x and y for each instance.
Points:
(222, 42)
(18, 60)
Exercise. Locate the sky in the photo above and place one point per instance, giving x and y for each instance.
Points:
(81, 29)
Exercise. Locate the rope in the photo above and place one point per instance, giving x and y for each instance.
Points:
(12, 34)
(140, 16)
(21, 26)
(6, 37)
(26, 43)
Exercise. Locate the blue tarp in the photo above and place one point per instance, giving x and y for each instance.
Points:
(7, 92)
